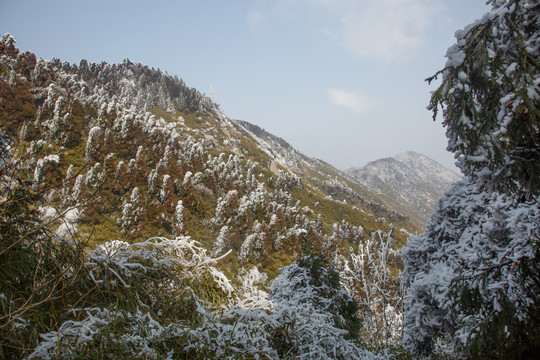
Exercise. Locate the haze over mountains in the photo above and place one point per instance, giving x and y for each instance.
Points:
(410, 181)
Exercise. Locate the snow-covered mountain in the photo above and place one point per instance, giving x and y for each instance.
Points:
(133, 163)
(127, 149)
(411, 179)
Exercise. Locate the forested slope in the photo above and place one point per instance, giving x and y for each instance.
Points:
(119, 185)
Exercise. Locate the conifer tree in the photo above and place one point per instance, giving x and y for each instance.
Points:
(474, 275)
(490, 98)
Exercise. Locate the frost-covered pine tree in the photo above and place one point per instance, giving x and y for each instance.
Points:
(490, 97)
(179, 217)
(474, 277)
(222, 241)
(367, 277)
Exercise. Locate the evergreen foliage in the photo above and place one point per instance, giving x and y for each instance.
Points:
(473, 276)
(490, 98)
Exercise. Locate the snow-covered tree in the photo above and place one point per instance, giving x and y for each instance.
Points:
(179, 217)
(490, 97)
(474, 275)
(222, 241)
(366, 275)
(306, 316)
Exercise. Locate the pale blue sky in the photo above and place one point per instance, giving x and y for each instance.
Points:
(341, 80)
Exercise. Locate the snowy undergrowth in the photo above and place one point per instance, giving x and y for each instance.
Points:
(305, 317)
(164, 298)
(139, 297)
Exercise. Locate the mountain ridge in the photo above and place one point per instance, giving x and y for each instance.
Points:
(170, 162)
(410, 176)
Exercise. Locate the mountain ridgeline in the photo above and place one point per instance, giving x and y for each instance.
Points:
(409, 181)
(127, 151)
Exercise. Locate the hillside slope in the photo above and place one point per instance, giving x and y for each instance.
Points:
(409, 181)
(139, 221)
(126, 151)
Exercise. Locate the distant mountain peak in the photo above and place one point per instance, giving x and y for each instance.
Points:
(411, 179)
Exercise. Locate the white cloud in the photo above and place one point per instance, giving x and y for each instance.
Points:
(387, 29)
(384, 30)
(254, 18)
(353, 101)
